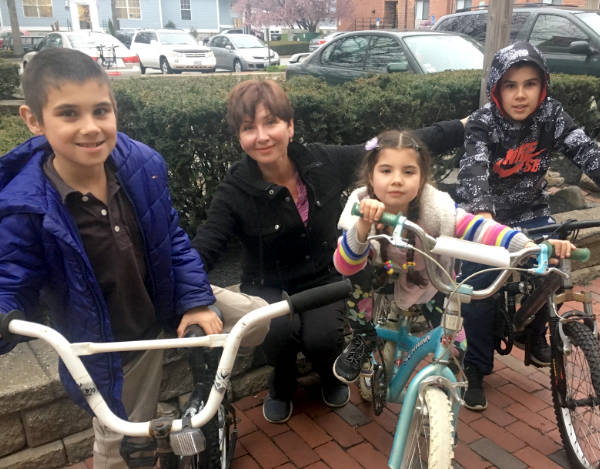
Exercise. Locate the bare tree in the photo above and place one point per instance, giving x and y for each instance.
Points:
(306, 14)
(14, 26)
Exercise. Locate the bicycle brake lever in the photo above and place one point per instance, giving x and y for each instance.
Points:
(549, 270)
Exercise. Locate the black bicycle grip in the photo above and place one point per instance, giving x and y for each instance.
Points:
(387, 218)
(579, 254)
(318, 296)
(5, 320)
(194, 330)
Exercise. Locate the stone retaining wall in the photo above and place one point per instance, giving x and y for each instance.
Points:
(42, 428)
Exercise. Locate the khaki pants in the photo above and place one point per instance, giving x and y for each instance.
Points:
(142, 377)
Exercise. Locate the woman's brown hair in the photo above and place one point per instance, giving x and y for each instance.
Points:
(247, 95)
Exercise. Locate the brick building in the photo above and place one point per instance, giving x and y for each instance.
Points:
(419, 14)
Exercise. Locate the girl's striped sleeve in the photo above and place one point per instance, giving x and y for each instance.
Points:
(487, 231)
(350, 255)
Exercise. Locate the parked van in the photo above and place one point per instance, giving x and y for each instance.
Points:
(569, 38)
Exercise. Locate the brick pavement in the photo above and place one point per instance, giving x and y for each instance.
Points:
(517, 430)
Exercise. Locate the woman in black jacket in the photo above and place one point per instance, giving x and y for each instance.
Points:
(282, 200)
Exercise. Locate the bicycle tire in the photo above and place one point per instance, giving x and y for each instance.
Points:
(430, 438)
(217, 454)
(577, 376)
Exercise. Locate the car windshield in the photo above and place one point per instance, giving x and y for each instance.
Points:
(246, 42)
(177, 38)
(439, 53)
(91, 40)
(591, 19)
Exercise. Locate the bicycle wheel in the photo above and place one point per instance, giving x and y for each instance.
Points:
(575, 389)
(429, 442)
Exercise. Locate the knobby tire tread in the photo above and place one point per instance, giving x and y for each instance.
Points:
(572, 429)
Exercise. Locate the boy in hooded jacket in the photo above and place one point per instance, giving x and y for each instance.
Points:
(508, 145)
(87, 224)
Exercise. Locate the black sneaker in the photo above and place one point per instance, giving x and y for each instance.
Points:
(540, 352)
(277, 410)
(347, 365)
(335, 394)
(474, 395)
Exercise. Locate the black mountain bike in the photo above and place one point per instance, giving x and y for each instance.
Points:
(575, 367)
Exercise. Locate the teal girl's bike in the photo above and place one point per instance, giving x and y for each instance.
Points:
(430, 396)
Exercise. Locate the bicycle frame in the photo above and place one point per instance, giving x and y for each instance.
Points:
(436, 373)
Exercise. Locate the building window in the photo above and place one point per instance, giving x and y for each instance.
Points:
(128, 9)
(422, 10)
(463, 5)
(37, 8)
(186, 10)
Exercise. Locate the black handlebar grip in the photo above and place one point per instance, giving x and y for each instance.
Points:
(5, 320)
(318, 296)
(194, 330)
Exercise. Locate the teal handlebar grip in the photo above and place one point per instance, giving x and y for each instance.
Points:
(388, 219)
(579, 254)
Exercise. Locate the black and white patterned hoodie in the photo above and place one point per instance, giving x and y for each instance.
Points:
(503, 169)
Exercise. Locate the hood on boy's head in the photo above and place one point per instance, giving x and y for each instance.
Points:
(519, 52)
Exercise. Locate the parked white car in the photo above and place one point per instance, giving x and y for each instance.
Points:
(107, 50)
(241, 52)
(171, 51)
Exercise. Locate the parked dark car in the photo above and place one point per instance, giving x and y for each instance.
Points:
(357, 54)
(569, 38)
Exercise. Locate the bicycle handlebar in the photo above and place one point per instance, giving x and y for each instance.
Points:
(11, 325)
(466, 250)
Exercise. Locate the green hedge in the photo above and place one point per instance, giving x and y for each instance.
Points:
(289, 47)
(9, 79)
(184, 118)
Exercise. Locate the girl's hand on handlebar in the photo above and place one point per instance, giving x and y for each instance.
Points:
(206, 318)
(371, 210)
(562, 249)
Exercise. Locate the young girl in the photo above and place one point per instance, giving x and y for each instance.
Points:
(395, 176)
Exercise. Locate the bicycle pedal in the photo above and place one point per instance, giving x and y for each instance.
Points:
(187, 442)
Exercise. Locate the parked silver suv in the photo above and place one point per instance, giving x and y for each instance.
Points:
(171, 51)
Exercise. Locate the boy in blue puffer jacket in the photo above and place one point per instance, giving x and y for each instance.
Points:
(86, 222)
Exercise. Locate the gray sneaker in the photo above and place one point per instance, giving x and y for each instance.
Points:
(347, 365)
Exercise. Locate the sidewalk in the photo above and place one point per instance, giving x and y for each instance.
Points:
(517, 430)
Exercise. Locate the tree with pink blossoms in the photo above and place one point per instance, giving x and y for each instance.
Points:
(304, 14)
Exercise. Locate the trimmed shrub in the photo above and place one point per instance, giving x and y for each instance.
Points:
(9, 79)
(184, 119)
(289, 47)
(14, 131)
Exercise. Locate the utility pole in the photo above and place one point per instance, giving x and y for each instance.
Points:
(14, 26)
(496, 37)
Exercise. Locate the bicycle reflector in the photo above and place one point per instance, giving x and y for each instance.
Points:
(187, 442)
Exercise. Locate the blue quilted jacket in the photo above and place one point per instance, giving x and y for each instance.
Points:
(41, 255)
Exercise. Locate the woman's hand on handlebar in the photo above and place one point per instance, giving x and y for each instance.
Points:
(371, 210)
(206, 318)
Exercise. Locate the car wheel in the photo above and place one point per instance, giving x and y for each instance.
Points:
(164, 66)
(142, 68)
(237, 66)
